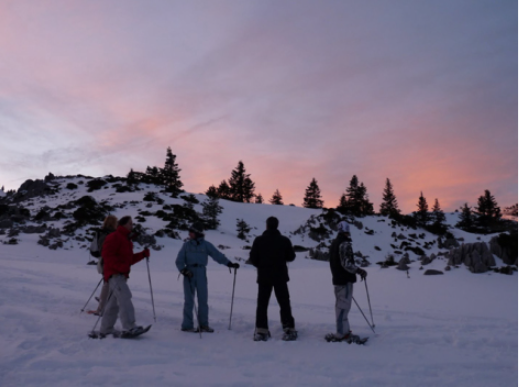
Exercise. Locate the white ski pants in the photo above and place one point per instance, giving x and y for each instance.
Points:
(343, 298)
(119, 304)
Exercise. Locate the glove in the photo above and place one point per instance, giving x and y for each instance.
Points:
(362, 273)
(233, 265)
(146, 253)
(187, 273)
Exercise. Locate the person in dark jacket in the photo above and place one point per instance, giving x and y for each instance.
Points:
(269, 254)
(344, 270)
(118, 258)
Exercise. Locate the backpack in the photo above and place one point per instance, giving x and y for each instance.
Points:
(95, 250)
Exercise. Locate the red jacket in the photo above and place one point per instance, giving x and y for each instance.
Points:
(118, 253)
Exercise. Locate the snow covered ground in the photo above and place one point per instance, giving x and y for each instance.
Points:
(456, 329)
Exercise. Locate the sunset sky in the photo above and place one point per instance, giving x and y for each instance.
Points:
(422, 92)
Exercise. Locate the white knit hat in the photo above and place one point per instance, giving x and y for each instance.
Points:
(344, 227)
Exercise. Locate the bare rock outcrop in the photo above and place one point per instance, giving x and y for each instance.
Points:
(476, 256)
(502, 252)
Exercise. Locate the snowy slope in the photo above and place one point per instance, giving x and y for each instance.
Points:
(458, 329)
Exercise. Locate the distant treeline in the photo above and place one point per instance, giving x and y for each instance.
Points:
(486, 216)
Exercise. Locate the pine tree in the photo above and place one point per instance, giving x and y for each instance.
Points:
(259, 199)
(243, 228)
(212, 192)
(276, 199)
(512, 210)
(422, 215)
(224, 192)
(241, 186)
(487, 209)
(466, 218)
(352, 190)
(211, 209)
(130, 178)
(355, 200)
(312, 197)
(389, 206)
(171, 176)
(438, 215)
(153, 175)
(362, 200)
(347, 200)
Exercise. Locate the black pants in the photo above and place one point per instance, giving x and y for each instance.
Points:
(283, 297)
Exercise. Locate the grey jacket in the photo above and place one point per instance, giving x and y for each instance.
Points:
(196, 252)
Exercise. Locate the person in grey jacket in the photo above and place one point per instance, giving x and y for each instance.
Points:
(191, 263)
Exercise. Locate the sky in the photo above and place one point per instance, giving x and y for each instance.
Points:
(421, 92)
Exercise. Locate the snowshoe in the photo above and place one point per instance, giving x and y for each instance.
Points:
(195, 330)
(261, 336)
(290, 334)
(99, 335)
(206, 329)
(95, 313)
(96, 335)
(134, 332)
(333, 338)
(348, 338)
(357, 339)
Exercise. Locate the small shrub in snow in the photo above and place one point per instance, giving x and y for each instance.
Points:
(416, 250)
(190, 199)
(505, 270)
(390, 261)
(95, 184)
(243, 229)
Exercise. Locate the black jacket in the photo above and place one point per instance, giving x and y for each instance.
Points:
(340, 276)
(269, 254)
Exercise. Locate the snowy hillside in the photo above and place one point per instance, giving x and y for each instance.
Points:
(455, 329)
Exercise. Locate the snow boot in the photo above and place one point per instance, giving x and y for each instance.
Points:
(261, 335)
(290, 334)
(206, 329)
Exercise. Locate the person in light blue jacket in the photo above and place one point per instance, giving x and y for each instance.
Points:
(191, 263)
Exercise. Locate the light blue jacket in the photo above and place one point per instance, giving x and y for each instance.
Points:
(196, 251)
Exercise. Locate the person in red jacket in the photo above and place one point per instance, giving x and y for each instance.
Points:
(118, 258)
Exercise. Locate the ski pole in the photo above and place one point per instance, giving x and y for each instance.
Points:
(363, 315)
(369, 302)
(151, 289)
(232, 299)
(102, 313)
(101, 280)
